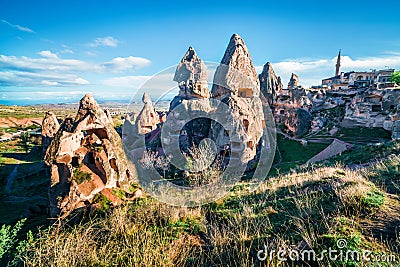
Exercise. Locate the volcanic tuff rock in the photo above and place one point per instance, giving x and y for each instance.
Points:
(50, 127)
(270, 84)
(148, 118)
(236, 74)
(86, 157)
(294, 81)
(191, 75)
(298, 121)
(236, 84)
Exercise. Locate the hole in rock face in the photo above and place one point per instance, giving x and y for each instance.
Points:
(246, 125)
(193, 132)
(113, 164)
(101, 133)
(75, 162)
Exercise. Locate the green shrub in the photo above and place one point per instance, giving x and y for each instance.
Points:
(8, 238)
(373, 199)
(80, 176)
(103, 201)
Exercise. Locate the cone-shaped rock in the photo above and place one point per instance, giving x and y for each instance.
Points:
(148, 118)
(294, 81)
(191, 75)
(270, 84)
(236, 85)
(236, 74)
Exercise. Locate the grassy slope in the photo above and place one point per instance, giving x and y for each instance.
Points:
(310, 209)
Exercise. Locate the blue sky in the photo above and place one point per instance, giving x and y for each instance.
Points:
(55, 51)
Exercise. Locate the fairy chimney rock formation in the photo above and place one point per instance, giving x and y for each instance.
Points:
(50, 127)
(86, 157)
(294, 81)
(193, 98)
(236, 84)
(191, 75)
(270, 84)
(236, 74)
(148, 118)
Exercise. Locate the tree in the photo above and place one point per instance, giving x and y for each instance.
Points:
(395, 77)
(25, 141)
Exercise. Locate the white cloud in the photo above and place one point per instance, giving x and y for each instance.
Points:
(49, 83)
(80, 80)
(67, 51)
(126, 63)
(26, 79)
(48, 54)
(90, 53)
(49, 69)
(52, 62)
(105, 41)
(18, 27)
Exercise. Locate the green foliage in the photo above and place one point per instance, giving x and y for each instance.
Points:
(103, 201)
(25, 141)
(80, 176)
(8, 237)
(134, 186)
(373, 199)
(119, 193)
(395, 77)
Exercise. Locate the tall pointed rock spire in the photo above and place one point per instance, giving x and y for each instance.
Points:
(236, 71)
(270, 84)
(191, 75)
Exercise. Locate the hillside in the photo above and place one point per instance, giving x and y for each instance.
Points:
(311, 209)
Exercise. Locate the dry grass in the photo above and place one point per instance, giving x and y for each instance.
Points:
(311, 209)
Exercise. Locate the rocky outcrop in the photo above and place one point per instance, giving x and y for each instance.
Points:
(236, 84)
(270, 83)
(86, 157)
(293, 82)
(298, 121)
(193, 98)
(148, 118)
(50, 127)
(191, 75)
(236, 74)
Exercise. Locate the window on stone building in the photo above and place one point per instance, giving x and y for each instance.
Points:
(391, 107)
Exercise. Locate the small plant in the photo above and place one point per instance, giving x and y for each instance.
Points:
(80, 176)
(103, 201)
(373, 199)
(119, 193)
(8, 237)
(25, 141)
